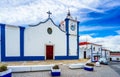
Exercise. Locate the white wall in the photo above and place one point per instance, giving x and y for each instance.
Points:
(107, 54)
(87, 48)
(36, 39)
(72, 45)
(0, 50)
(0, 43)
(115, 58)
(72, 39)
(12, 41)
(81, 54)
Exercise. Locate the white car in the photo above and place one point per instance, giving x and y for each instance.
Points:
(103, 61)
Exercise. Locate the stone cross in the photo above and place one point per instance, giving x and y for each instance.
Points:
(49, 13)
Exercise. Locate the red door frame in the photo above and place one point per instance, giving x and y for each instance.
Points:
(49, 52)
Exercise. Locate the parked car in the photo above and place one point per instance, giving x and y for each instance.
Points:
(103, 61)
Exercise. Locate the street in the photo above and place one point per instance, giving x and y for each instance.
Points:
(115, 66)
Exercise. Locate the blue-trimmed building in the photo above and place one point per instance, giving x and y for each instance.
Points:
(42, 41)
(90, 51)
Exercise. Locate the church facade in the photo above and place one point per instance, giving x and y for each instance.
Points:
(42, 41)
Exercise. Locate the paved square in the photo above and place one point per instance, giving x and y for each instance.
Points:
(103, 71)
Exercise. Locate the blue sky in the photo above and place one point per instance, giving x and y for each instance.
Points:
(99, 19)
(104, 24)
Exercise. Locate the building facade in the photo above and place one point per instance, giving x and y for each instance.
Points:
(90, 50)
(106, 54)
(42, 41)
(115, 56)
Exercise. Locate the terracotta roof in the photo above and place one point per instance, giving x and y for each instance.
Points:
(86, 43)
(114, 53)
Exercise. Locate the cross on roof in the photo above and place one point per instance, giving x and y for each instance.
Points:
(49, 13)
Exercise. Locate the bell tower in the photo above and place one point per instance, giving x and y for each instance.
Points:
(72, 36)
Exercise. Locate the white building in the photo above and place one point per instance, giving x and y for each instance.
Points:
(90, 50)
(115, 56)
(42, 41)
(106, 54)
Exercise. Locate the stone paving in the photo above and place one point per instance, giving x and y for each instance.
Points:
(103, 71)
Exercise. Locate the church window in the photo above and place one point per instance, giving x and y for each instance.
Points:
(49, 30)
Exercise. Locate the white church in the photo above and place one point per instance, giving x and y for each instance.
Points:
(43, 41)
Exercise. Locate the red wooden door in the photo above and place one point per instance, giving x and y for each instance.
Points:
(49, 52)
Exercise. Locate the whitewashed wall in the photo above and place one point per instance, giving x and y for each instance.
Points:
(36, 39)
(97, 48)
(0, 50)
(87, 48)
(107, 55)
(103, 53)
(12, 40)
(114, 58)
(0, 43)
(81, 53)
(72, 45)
(72, 39)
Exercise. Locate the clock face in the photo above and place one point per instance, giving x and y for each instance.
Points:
(72, 27)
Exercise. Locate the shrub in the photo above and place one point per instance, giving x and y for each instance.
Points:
(90, 64)
(56, 67)
(3, 68)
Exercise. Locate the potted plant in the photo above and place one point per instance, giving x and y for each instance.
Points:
(90, 64)
(4, 72)
(89, 67)
(55, 70)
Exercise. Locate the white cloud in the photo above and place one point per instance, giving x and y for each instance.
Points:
(109, 42)
(32, 11)
(21, 12)
(118, 31)
(14, 3)
(109, 4)
(91, 28)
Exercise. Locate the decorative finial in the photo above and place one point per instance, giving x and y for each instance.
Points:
(49, 13)
(68, 13)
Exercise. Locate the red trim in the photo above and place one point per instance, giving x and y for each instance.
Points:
(84, 43)
(114, 53)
